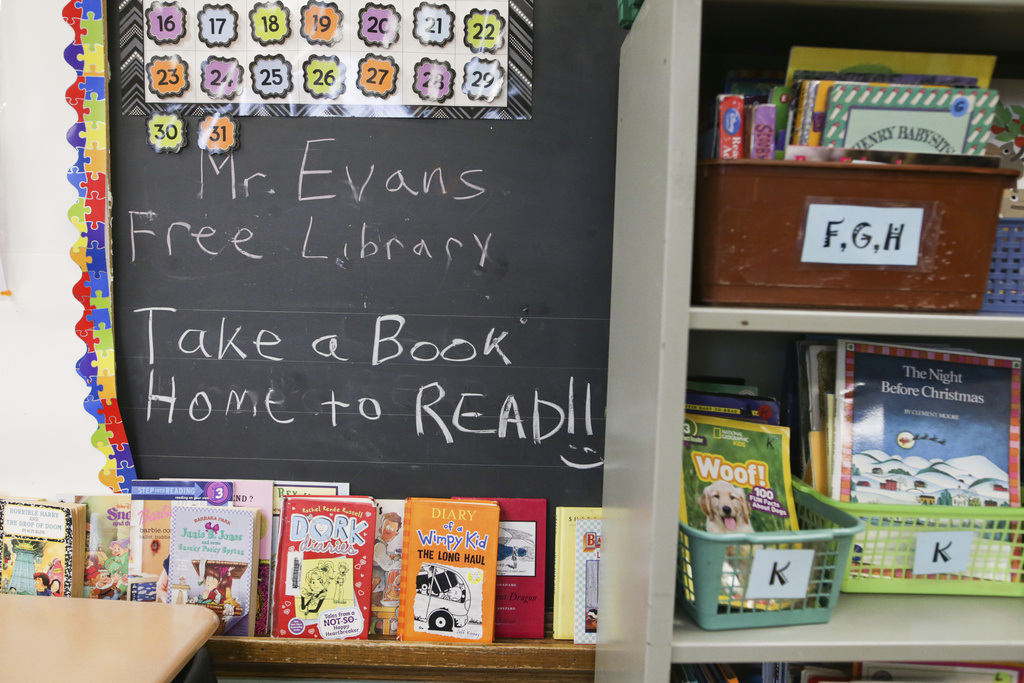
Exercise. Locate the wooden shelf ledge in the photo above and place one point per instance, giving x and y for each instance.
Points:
(382, 658)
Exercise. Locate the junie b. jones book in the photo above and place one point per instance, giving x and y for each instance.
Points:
(325, 567)
(214, 562)
(449, 569)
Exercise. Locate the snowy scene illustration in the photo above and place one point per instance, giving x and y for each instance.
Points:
(932, 427)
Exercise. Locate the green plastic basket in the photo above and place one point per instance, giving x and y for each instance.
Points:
(713, 582)
(884, 552)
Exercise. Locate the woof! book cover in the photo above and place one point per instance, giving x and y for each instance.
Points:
(736, 477)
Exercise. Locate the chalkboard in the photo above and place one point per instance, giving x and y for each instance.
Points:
(416, 306)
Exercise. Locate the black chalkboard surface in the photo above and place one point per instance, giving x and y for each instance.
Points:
(417, 307)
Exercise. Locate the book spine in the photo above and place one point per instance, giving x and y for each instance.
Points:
(818, 113)
(762, 132)
(730, 127)
(404, 608)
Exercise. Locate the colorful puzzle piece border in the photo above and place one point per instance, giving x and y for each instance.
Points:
(87, 96)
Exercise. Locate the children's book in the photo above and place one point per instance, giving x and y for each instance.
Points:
(730, 127)
(107, 524)
(150, 529)
(761, 140)
(259, 493)
(761, 409)
(449, 570)
(587, 572)
(736, 476)
(214, 562)
(909, 118)
(42, 548)
(566, 518)
(802, 58)
(925, 425)
(387, 567)
(940, 672)
(522, 568)
(297, 488)
(325, 566)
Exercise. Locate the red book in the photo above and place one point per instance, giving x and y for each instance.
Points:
(730, 126)
(519, 591)
(324, 567)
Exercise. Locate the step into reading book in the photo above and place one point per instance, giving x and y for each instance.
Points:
(449, 569)
(325, 566)
(929, 426)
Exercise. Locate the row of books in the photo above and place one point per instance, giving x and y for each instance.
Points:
(862, 102)
(308, 560)
(865, 422)
(921, 672)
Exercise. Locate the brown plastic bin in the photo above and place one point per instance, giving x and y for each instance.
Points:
(750, 227)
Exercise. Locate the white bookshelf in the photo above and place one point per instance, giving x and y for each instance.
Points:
(655, 333)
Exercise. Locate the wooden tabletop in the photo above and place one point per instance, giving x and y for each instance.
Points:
(113, 641)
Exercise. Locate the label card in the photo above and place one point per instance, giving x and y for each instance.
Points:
(780, 574)
(943, 552)
(851, 234)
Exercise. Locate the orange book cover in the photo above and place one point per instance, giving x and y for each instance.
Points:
(449, 565)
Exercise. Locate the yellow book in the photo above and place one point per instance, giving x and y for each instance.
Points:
(885, 61)
(565, 566)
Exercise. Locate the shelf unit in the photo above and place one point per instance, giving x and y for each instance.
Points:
(656, 333)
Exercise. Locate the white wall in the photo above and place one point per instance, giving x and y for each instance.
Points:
(45, 431)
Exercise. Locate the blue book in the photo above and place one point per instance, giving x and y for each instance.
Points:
(925, 426)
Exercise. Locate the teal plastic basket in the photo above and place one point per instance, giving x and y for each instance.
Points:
(627, 11)
(714, 569)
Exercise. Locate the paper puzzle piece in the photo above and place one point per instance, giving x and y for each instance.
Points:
(106, 383)
(95, 87)
(96, 212)
(80, 290)
(95, 134)
(97, 289)
(94, 59)
(95, 160)
(95, 233)
(104, 339)
(74, 55)
(73, 18)
(96, 185)
(101, 439)
(91, 9)
(96, 257)
(125, 467)
(78, 179)
(93, 406)
(115, 427)
(94, 111)
(75, 94)
(86, 368)
(109, 479)
(76, 135)
(92, 31)
(80, 254)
